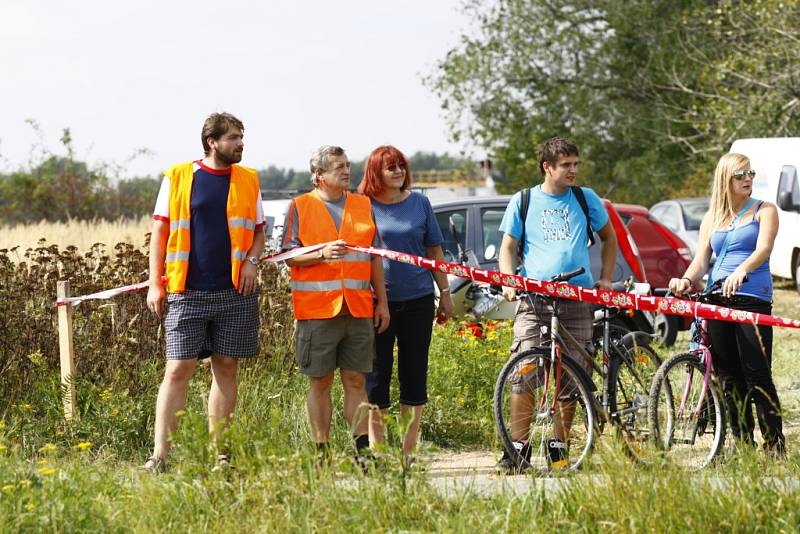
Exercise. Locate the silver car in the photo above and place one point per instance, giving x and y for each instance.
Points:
(683, 216)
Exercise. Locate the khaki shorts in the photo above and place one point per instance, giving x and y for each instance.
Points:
(343, 342)
(574, 315)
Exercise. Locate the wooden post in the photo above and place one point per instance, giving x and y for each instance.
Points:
(67, 355)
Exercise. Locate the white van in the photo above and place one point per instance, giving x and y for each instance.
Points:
(777, 162)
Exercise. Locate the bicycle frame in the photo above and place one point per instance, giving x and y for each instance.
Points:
(559, 337)
(704, 354)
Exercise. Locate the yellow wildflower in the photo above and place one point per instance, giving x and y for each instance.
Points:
(30, 507)
(48, 449)
(46, 471)
(24, 483)
(8, 488)
(105, 394)
(82, 446)
(43, 462)
(2, 447)
(2, 424)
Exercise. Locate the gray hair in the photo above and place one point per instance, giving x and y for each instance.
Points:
(319, 159)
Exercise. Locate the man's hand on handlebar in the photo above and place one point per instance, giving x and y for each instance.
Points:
(509, 294)
(603, 283)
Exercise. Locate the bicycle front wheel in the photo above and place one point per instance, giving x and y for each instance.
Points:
(686, 414)
(544, 412)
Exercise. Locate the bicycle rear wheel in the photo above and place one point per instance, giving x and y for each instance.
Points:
(631, 372)
(534, 401)
(687, 420)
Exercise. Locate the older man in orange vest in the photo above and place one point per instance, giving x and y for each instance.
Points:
(333, 302)
(208, 231)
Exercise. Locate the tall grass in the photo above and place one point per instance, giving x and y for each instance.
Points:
(80, 234)
(81, 476)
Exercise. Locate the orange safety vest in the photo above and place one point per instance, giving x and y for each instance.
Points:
(319, 290)
(241, 210)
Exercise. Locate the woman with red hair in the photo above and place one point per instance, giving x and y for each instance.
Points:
(406, 222)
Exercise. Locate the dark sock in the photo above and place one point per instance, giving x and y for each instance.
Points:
(362, 442)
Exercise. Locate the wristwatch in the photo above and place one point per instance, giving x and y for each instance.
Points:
(253, 260)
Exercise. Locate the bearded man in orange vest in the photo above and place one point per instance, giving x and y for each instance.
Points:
(208, 232)
(333, 302)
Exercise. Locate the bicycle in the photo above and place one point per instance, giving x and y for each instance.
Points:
(551, 396)
(686, 408)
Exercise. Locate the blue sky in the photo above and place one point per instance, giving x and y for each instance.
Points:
(131, 75)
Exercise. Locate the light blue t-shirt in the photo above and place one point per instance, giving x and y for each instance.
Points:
(555, 233)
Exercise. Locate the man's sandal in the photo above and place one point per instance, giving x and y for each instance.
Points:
(154, 465)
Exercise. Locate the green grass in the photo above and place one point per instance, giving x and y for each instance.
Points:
(63, 477)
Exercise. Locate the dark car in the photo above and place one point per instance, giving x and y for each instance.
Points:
(477, 227)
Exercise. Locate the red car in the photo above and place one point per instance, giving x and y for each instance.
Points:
(664, 255)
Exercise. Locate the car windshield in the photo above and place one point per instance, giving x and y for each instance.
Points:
(693, 214)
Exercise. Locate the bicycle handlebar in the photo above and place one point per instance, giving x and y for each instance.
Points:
(563, 277)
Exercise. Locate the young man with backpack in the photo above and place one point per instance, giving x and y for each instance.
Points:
(553, 237)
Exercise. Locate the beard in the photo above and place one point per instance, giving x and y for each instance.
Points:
(229, 158)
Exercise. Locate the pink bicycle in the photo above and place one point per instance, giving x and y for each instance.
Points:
(686, 410)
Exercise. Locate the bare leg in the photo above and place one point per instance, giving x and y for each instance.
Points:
(376, 426)
(355, 401)
(521, 413)
(562, 419)
(319, 406)
(410, 441)
(222, 397)
(171, 399)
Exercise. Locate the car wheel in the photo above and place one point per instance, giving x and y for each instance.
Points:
(666, 329)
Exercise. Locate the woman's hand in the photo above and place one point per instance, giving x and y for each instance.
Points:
(446, 307)
(680, 286)
(733, 282)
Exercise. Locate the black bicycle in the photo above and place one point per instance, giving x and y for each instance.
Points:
(549, 412)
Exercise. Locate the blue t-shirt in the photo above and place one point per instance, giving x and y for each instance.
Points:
(209, 268)
(408, 226)
(742, 243)
(555, 233)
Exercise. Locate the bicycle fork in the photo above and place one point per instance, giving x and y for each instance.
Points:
(704, 358)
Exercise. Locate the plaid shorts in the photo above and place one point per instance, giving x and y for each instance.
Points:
(202, 323)
(576, 316)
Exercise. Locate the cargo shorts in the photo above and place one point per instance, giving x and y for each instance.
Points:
(532, 329)
(343, 342)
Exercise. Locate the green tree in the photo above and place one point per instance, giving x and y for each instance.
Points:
(652, 90)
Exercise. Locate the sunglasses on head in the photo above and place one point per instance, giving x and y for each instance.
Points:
(742, 173)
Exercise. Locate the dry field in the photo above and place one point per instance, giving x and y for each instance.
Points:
(81, 234)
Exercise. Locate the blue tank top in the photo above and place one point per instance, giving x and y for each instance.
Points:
(742, 243)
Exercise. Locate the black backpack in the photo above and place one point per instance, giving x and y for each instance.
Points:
(577, 191)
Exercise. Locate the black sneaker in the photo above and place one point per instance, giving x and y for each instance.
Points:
(223, 463)
(507, 464)
(557, 454)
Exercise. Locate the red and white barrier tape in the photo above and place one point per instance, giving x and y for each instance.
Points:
(668, 305)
